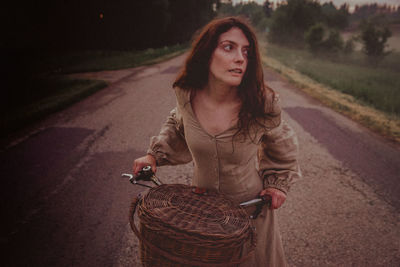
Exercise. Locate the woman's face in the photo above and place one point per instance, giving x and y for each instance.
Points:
(229, 59)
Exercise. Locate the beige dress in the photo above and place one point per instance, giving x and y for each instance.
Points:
(240, 169)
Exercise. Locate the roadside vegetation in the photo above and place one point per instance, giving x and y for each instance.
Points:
(341, 58)
(42, 43)
(97, 60)
(365, 94)
(44, 86)
(374, 86)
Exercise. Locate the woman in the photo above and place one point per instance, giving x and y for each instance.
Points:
(229, 123)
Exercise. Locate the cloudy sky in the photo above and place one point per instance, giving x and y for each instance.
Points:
(352, 3)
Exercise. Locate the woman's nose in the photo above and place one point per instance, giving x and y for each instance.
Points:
(239, 57)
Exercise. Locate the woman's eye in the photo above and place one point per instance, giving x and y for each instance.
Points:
(228, 47)
(246, 52)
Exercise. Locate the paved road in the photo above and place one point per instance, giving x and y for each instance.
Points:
(66, 205)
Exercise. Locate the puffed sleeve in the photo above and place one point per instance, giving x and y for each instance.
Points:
(169, 147)
(278, 152)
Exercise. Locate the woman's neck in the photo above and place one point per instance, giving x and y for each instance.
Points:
(221, 93)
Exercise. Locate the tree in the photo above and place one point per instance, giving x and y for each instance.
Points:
(320, 39)
(267, 6)
(335, 18)
(334, 43)
(251, 10)
(187, 16)
(101, 24)
(374, 38)
(291, 21)
(314, 37)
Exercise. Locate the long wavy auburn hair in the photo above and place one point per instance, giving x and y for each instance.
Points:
(257, 98)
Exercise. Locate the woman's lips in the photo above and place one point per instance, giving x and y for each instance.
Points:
(238, 71)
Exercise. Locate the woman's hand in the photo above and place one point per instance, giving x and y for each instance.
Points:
(277, 197)
(147, 160)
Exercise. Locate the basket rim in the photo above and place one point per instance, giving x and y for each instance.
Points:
(144, 214)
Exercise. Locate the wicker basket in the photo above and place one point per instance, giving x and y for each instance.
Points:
(181, 227)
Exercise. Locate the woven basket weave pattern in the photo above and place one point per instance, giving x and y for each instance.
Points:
(181, 228)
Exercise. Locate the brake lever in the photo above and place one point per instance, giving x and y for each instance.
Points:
(146, 174)
(259, 203)
(133, 180)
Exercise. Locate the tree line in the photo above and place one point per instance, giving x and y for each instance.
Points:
(37, 33)
(318, 27)
(101, 24)
(127, 24)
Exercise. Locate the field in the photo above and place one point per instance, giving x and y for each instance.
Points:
(378, 87)
(347, 83)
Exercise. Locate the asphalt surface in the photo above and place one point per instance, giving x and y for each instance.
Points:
(65, 204)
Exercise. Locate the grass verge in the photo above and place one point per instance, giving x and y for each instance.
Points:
(322, 82)
(85, 61)
(66, 92)
(44, 88)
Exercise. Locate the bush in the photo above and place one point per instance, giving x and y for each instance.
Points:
(348, 47)
(317, 40)
(334, 42)
(374, 38)
(292, 20)
(314, 37)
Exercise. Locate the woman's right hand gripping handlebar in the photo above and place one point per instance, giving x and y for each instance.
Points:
(147, 160)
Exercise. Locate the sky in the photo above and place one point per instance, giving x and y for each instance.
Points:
(337, 3)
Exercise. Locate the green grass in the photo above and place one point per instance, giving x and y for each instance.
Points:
(65, 91)
(85, 61)
(43, 87)
(375, 86)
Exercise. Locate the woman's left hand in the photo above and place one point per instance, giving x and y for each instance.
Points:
(277, 197)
